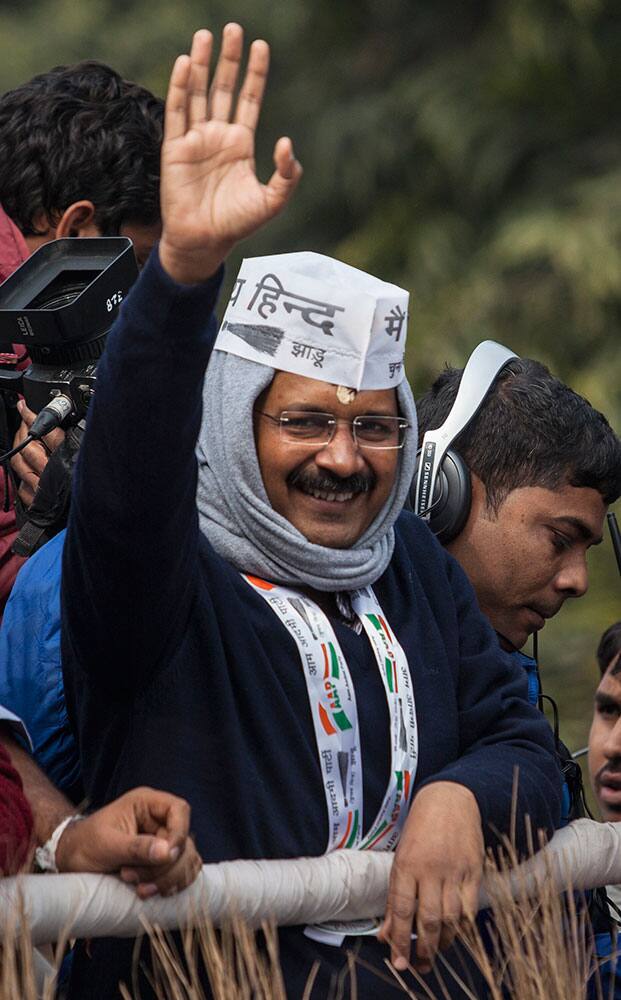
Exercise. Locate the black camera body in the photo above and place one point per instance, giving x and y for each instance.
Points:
(61, 304)
(41, 383)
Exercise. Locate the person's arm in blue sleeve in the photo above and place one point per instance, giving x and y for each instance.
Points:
(131, 546)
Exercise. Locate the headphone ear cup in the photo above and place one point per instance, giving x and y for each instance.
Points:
(452, 496)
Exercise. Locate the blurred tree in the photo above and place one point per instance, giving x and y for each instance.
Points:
(468, 151)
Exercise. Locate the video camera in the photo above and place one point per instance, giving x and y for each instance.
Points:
(61, 304)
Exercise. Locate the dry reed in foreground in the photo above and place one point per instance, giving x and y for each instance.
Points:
(542, 949)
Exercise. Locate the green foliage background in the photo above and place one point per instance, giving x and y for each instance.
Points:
(470, 151)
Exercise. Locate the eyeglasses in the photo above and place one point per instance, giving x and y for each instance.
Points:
(317, 429)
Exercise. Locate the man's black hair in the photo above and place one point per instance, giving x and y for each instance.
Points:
(532, 430)
(609, 647)
(80, 132)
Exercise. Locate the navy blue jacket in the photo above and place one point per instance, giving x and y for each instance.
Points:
(178, 675)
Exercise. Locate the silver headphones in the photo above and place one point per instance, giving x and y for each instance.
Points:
(441, 490)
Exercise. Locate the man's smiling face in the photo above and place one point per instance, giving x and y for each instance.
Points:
(605, 743)
(332, 492)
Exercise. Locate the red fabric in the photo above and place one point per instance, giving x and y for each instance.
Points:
(13, 252)
(15, 818)
(13, 249)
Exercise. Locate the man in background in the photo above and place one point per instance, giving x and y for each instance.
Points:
(543, 465)
(79, 156)
(605, 734)
(605, 774)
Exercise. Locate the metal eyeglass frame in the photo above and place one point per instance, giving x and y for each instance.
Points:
(402, 426)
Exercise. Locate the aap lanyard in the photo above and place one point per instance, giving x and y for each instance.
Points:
(335, 717)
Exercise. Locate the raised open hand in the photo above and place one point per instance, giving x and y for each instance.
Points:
(211, 197)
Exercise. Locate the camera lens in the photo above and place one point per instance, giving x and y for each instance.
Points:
(58, 298)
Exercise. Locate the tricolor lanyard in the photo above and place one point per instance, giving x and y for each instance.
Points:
(335, 718)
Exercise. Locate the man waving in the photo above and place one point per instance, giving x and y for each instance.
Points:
(305, 666)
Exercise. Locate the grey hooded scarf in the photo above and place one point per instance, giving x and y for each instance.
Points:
(235, 513)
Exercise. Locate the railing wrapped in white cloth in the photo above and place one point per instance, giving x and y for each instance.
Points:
(343, 885)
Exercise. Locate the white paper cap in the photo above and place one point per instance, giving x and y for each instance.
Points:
(311, 315)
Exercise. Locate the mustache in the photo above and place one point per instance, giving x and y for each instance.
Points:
(612, 769)
(327, 482)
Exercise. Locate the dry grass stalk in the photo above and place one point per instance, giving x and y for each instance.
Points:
(542, 950)
(232, 960)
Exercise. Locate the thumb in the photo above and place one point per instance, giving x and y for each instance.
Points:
(286, 176)
(134, 849)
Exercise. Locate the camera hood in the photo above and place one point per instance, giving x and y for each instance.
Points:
(67, 293)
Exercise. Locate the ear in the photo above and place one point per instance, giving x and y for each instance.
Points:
(78, 220)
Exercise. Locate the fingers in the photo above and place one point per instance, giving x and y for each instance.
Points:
(186, 100)
(469, 897)
(200, 57)
(103, 842)
(175, 111)
(452, 913)
(167, 814)
(438, 908)
(29, 480)
(429, 920)
(27, 415)
(400, 911)
(253, 88)
(50, 441)
(165, 879)
(187, 104)
(227, 73)
(28, 464)
(26, 493)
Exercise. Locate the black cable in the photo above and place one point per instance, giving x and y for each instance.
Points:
(541, 695)
(615, 536)
(14, 451)
(546, 697)
(6, 506)
(48, 419)
(570, 769)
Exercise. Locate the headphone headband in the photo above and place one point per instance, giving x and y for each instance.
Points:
(484, 364)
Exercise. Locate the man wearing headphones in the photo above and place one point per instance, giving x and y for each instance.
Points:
(516, 474)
